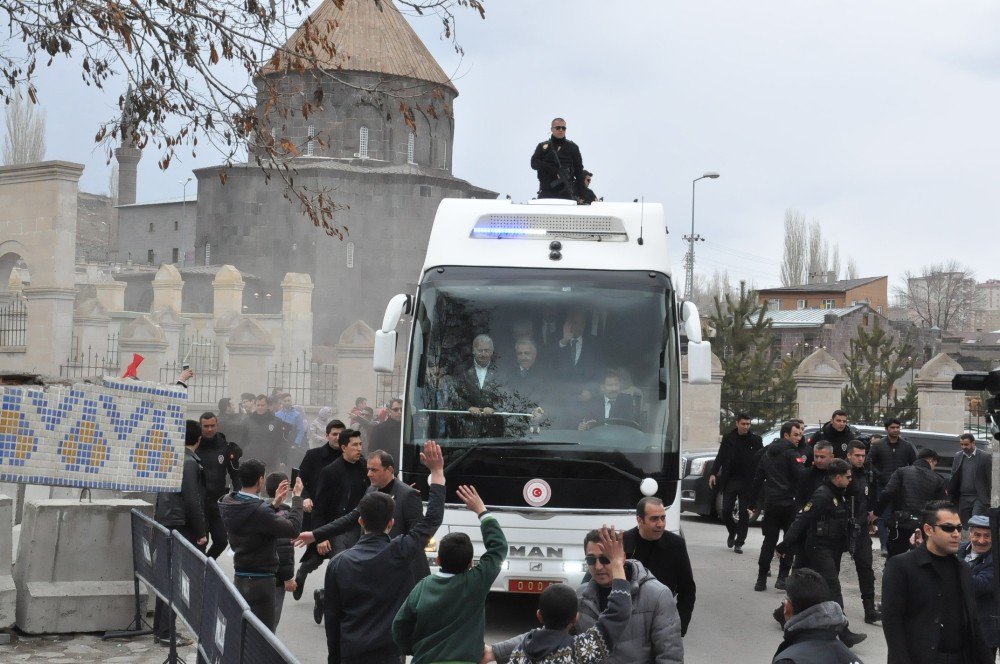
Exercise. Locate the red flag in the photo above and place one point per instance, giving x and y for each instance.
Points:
(130, 372)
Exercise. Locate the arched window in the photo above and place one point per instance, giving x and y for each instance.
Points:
(311, 141)
(363, 143)
(411, 143)
(444, 153)
(350, 254)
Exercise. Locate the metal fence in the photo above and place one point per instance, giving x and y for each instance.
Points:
(977, 421)
(765, 413)
(309, 383)
(207, 386)
(14, 323)
(87, 363)
(388, 386)
(875, 414)
(200, 352)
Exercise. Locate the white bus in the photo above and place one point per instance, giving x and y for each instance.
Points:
(582, 298)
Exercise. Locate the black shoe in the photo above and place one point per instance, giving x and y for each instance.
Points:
(761, 584)
(300, 586)
(780, 583)
(851, 639)
(318, 606)
(872, 615)
(779, 614)
(738, 548)
(731, 541)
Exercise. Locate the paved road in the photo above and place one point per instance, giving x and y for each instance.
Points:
(731, 622)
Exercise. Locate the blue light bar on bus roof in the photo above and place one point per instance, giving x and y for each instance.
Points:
(542, 226)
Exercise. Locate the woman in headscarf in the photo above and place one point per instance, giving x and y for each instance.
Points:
(317, 429)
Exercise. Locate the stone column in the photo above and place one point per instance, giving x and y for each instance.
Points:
(167, 289)
(228, 287)
(819, 380)
(50, 328)
(224, 326)
(941, 408)
(702, 406)
(296, 316)
(111, 294)
(91, 320)
(353, 356)
(146, 338)
(250, 348)
(8, 593)
(173, 327)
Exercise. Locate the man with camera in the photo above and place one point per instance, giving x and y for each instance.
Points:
(559, 165)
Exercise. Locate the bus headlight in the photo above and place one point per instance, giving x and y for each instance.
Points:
(573, 567)
(431, 546)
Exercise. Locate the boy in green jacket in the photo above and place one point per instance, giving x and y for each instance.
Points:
(452, 601)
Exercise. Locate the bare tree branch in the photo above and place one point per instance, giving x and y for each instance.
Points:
(793, 262)
(941, 295)
(24, 142)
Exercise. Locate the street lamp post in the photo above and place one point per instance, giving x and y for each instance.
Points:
(691, 239)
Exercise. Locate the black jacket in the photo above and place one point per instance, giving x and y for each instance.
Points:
(822, 523)
(312, 464)
(911, 610)
(780, 467)
(886, 458)
(861, 494)
(233, 427)
(981, 466)
(185, 510)
(220, 459)
(341, 486)
(546, 159)
(286, 552)
(266, 440)
(407, 512)
(811, 637)
(910, 488)
(671, 566)
(385, 436)
(839, 439)
(366, 585)
(254, 529)
(811, 479)
(735, 462)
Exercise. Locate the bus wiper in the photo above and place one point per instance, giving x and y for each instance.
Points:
(638, 480)
(500, 443)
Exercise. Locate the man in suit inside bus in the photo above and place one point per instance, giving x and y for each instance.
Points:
(613, 404)
(482, 390)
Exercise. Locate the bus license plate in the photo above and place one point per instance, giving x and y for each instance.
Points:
(528, 586)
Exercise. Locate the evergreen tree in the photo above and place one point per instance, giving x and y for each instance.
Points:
(758, 380)
(876, 361)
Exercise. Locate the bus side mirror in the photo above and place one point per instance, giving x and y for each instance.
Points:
(699, 352)
(384, 360)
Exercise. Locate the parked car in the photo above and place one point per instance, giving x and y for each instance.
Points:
(696, 465)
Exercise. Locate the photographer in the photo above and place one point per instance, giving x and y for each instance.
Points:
(559, 165)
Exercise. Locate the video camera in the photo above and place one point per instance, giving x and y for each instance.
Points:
(983, 381)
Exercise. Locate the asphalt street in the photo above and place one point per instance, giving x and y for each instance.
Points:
(731, 622)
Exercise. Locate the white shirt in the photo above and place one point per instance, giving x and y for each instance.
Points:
(481, 375)
(607, 408)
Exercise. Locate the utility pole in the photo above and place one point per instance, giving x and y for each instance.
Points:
(691, 239)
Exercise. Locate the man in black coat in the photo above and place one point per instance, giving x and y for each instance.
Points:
(971, 478)
(219, 459)
(265, 436)
(385, 435)
(908, 490)
(837, 433)
(481, 392)
(612, 404)
(861, 499)
(929, 612)
(886, 456)
(559, 165)
(732, 475)
(663, 553)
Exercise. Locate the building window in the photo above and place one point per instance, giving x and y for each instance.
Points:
(150, 227)
(350, 254)
(208, 253)
(800, 304)
(175, 255)
(150, 256)
(411, 144)
(311, 141)
(177, 225)
(363, 143)
(774, 305)
(828, 304)
(878, 308)
(444, 153)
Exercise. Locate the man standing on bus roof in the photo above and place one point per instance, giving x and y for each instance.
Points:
(558, 164)
(732, 476)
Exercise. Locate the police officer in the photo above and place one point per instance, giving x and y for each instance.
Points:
(220, 458)
(822, 531)
(909, 489)
(861, 498)
(815, 475)
(559, 165)
(836, 432)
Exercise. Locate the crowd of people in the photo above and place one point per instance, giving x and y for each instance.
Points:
(831, 494)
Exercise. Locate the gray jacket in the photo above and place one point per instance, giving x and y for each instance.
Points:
(653, 633)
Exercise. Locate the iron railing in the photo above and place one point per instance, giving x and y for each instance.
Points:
(14, 323)
(309, 383)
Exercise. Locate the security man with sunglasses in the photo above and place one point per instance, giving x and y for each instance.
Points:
(559, 165)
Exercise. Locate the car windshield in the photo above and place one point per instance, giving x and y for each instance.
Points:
(520, 366)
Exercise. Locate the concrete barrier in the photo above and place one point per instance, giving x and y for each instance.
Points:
(74, 566)
(8, 593)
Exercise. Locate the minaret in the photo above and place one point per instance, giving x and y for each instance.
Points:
(128, 155)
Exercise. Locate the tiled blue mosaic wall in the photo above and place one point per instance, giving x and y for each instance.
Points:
(124, 435)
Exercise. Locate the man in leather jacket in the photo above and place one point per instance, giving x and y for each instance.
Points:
(909, 489)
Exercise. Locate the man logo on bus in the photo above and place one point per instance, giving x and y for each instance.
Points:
(537, 492)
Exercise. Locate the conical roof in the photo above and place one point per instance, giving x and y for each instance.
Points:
(365, 36)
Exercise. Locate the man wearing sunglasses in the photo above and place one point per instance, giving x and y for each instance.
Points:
(559, 165)
(653, 633)
(929, 612)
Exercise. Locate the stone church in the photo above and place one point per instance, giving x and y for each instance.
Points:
(391, 176)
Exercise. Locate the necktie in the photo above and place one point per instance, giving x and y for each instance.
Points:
(574, 344)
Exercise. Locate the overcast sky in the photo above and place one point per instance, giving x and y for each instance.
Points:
(877, 119)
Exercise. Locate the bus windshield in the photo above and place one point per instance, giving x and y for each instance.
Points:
(548, 373)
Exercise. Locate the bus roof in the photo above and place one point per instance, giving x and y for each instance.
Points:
(500, 233)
